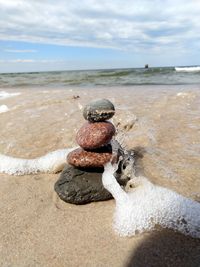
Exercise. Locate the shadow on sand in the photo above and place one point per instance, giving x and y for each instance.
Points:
(166, 248)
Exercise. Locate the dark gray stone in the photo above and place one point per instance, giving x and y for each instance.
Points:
(81, 186)
(99, 110)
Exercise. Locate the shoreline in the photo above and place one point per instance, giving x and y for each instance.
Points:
(38, 229)
(159, 87)
(147, 121)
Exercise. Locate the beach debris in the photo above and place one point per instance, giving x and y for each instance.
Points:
(95, 150)
(125, 160)
(76, 97)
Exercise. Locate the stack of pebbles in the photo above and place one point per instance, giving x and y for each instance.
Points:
(80, 181)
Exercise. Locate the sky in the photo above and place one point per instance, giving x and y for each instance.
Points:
(51, 35)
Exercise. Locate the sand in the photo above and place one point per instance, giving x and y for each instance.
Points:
(38, 229)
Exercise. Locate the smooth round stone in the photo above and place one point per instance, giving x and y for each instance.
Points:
(99, 110)
(78, 186)
(89, 159)
(95, 135)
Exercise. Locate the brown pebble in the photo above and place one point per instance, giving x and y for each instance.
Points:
(88, 159)
(94, 135)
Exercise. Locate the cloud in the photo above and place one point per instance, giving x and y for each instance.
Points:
(20, 51)
(17, 61)
(22, 60)
(139, 25)
(30, 61)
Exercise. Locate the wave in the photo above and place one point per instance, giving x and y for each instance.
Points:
(4, 95)
(188, 69)
(128, 72)
(116, 73)
(109, 77)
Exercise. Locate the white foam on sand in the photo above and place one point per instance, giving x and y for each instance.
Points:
(4, 94)
(51, 162)
(141, 209)
(148, 205)
(3, 108)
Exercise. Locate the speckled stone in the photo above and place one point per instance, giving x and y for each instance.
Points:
(79, 186)
(89, 159)
(99, 110)
(94, 135)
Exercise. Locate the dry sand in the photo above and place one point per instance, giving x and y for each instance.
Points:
(38, 229)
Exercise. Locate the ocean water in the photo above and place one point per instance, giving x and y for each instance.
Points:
(109, 77)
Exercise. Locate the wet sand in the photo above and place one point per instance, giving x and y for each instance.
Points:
(38, 229)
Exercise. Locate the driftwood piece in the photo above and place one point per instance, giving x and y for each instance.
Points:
(125, 160)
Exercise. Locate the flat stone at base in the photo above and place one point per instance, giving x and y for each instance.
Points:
(80, 187)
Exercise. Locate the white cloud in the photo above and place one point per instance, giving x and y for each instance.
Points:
(20, 51)
(19, 60)
(126, 25)
(22, 60)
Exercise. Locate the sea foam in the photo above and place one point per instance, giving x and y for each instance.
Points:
(4, 94)
(141, 209)
(148, 205)
(187, 69)
(3, 108)
(51, 162)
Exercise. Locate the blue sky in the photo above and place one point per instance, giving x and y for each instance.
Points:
(60, 35)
